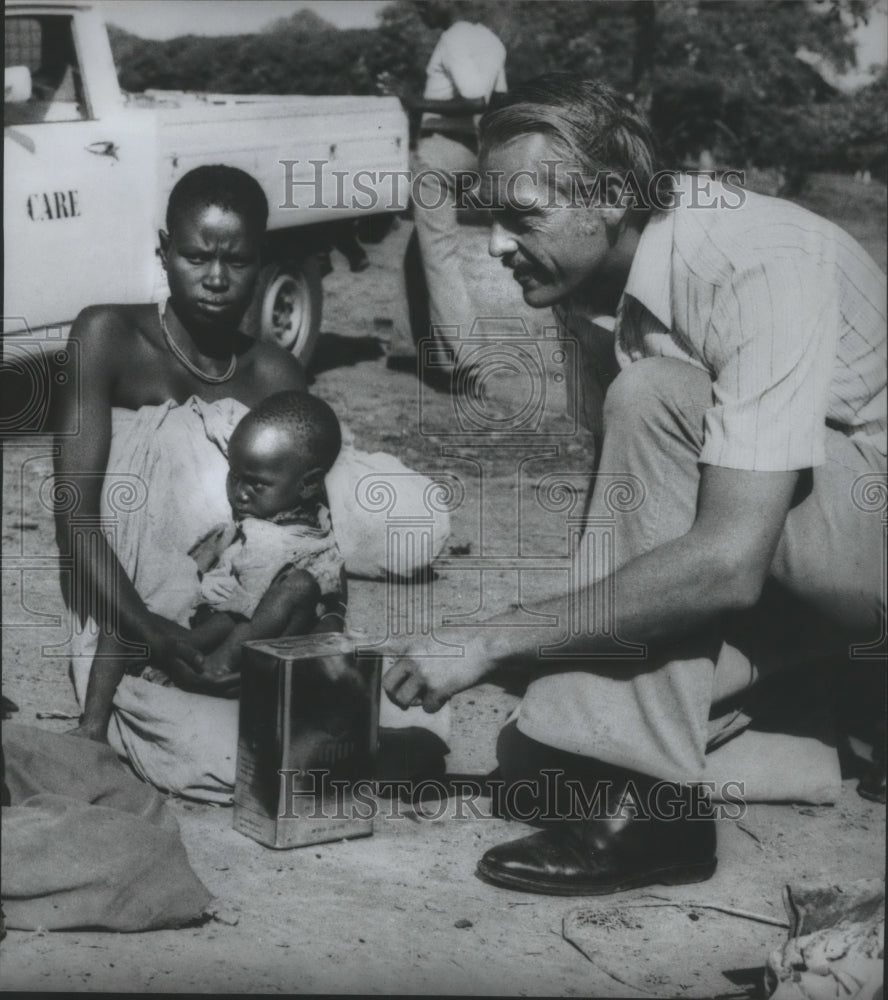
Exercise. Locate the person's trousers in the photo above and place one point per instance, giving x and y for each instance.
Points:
(450, 313)
(826, 583)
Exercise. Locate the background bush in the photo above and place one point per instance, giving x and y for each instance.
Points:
(716, 75)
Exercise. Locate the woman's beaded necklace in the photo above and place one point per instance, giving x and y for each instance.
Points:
(185, 360)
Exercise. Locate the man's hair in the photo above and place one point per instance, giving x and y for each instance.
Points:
(223, 187)
(306, 418)
(591, 125)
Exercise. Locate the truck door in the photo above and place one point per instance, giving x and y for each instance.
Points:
(79, 175)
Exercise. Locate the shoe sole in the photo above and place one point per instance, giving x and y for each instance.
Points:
(676, 875)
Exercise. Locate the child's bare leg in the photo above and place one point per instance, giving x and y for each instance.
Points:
(210, 628)
(288, 607)
(108, 668)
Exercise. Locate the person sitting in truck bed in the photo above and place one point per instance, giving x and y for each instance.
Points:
(143, 369)
(276, 570)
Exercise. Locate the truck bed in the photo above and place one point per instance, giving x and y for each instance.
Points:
(348, 134)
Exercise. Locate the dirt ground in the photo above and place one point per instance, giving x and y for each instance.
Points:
(402, 912)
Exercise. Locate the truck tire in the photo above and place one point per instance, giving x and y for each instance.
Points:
(287, 306)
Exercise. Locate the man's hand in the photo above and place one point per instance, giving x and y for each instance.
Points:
(432, 680)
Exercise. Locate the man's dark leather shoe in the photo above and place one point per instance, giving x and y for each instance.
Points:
(599, 856)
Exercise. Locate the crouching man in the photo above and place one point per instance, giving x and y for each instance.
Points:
(739, 388)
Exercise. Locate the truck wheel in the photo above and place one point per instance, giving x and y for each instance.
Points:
(287, 306)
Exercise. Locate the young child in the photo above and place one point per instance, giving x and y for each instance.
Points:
(277, 571)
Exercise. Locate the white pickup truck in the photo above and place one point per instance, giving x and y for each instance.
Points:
(88, 170)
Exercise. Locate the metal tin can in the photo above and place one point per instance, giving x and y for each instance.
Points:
(309, 719)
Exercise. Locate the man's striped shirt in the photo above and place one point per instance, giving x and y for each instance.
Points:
(782, 308)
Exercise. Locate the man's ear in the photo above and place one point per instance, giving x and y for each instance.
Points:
(164, 246)
(619, 194)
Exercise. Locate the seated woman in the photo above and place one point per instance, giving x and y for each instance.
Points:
(276, 571)
(141, 450)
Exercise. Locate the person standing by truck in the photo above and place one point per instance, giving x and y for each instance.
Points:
(466, 68)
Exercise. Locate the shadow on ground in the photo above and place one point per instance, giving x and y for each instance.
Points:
(337, 350)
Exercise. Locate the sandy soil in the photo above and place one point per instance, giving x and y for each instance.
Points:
(400, 912)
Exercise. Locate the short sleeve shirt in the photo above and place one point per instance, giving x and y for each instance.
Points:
(469, 61)
(262, 548)
(785, 312)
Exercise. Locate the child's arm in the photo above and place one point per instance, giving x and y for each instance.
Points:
(288, 607)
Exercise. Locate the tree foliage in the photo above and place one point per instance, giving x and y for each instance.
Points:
(721, 75)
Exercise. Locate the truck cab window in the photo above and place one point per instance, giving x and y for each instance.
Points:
(40, 51)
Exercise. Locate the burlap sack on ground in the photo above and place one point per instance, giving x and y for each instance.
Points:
(87, 845)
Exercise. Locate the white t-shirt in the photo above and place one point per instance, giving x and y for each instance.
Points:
(469, 61)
